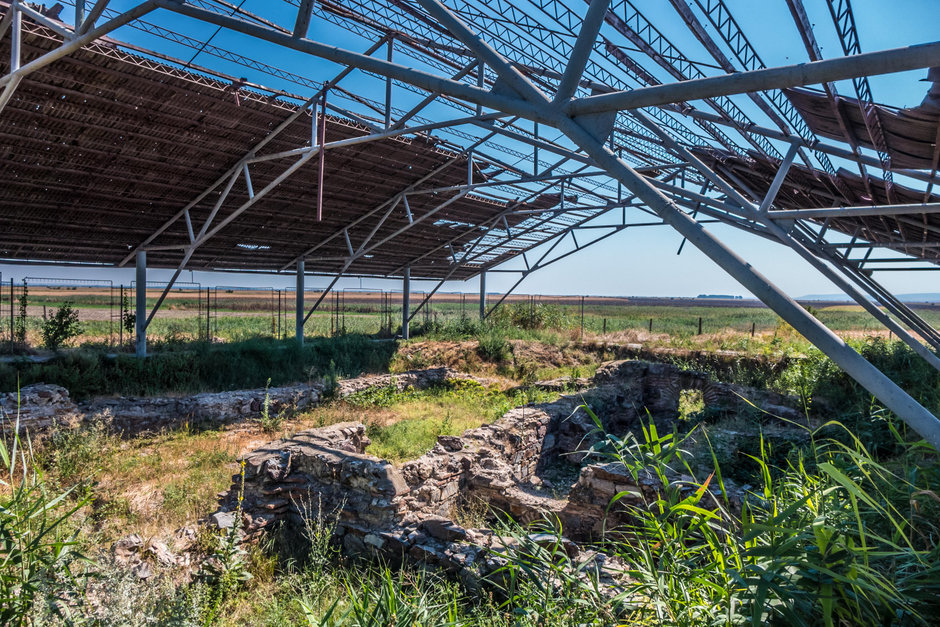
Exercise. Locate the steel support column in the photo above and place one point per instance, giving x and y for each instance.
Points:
(299, 310)
(761, 214)
(483, 295)
(141, 304)
(405, 303)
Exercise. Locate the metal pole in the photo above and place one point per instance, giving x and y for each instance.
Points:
(801, 249)
(141, 298)
(405, 303)
(483, 295)
(781, 175)
(388, 85)
(894, 398)
(79, 13)
(299, 330)
(16, 39)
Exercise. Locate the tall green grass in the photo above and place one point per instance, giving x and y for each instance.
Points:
(37, 537)
(200, 367)
(851, 542)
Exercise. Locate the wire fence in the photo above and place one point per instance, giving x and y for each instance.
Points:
(191, 311)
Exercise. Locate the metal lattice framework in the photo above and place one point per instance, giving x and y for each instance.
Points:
(468, 133)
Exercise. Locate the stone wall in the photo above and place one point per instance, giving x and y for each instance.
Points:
(512, 465)
(327, 464)
(410, 510)
(44, 405)
(39, 406)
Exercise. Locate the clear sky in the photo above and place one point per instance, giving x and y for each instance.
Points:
(644, 261)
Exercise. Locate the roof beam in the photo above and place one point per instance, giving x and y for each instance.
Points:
(869, 64)
(302, 25)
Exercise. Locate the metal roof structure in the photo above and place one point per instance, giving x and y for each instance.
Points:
(468, 133)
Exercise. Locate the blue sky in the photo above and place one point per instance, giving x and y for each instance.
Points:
(637, 261)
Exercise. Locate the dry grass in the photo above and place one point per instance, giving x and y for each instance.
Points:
(154, 485)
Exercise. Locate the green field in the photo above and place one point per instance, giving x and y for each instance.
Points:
(229, 315)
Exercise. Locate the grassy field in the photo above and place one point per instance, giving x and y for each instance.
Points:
(856, 503)
(239, 315)
(840, 528)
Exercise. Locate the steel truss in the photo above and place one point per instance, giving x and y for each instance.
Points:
(498, 85)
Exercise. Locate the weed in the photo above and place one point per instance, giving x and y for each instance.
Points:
(37, 550)
(806, 547)
(226, 569)
(269, 423)
(494, 347)
(128, 317)
(21, 318)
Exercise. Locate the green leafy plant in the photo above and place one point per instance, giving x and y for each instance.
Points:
(493, 346)
(22, 318)
(128, 317)
(270, 423)
(399, 597)
(62, 326)
(226, 569)
(806, 547)
(37, 548)
(543, 584)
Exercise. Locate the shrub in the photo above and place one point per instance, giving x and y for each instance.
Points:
(226, 569)
(199, 367)
(62, 326)
(128, 317)
(492, 346)
(21, 318)
(529, 316)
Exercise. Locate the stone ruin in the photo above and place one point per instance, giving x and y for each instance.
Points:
(528, 464)
(43, 406)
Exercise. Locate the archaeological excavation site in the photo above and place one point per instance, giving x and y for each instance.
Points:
(547, 462)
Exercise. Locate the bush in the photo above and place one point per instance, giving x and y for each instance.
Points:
(62, 326)
(817, 377)
(530, 316)
(492, 346)
(200, 367)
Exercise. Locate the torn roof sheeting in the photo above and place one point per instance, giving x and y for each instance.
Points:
(804, 188)
(910, 134)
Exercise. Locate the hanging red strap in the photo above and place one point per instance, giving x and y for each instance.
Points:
(321, 140)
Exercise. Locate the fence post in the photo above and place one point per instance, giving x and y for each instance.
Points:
(700, 325)
(605, 326)
(140, 305)
(121, 321)
(582, 318)
(406, 300)
(651, 325)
